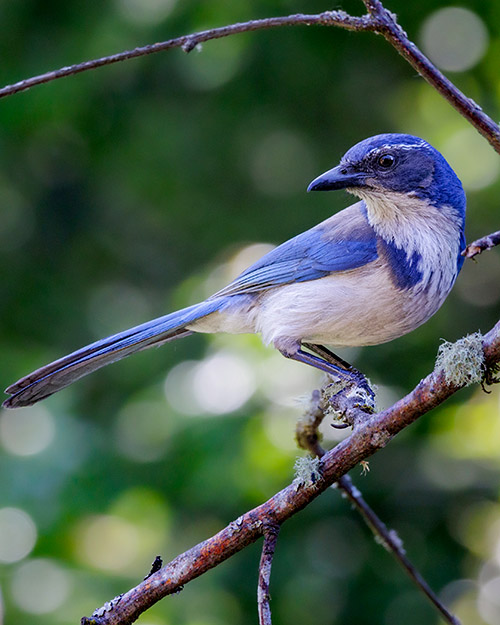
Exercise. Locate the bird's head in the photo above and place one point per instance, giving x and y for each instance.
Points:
(395, 163)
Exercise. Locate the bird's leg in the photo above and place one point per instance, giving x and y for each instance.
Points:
(331, 358)
(324, 360)
(354, 399)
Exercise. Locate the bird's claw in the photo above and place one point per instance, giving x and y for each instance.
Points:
(340, 426)
(490, 377)
(351, 398)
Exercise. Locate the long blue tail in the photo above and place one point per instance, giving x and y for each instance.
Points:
(60, 373)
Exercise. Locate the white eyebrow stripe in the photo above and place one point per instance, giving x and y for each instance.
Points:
(382, 148)
(398, 146)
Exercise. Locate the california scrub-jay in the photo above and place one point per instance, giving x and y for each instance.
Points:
(366, 275)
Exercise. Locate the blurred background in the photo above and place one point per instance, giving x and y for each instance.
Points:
(136, 189)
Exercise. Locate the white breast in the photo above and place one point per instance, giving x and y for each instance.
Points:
(357, 307)
(360, 306)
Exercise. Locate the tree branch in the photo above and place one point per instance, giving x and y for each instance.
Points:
(387, 26)
(482, 244)
(392, 543)
(189, 42)
(378, 20)
(266, 561)
(308, 438)
(371, 435)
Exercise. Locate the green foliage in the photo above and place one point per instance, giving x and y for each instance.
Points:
(135, 189)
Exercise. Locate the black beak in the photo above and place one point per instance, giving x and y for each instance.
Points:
(340, 177)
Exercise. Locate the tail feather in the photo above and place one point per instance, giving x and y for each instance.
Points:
(60, 373)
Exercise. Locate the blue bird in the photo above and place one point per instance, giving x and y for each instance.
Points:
(367, 275)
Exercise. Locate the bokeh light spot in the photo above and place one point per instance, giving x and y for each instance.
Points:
(480, 418)
(40, 586)
(455, 39)
(278, 426)
(26, 431)
(178, 388)
(226, 272)
(222, 383)
(145, 508)
(219, 384)
(472, 158)
(122, 541)
(17, 534)
(489, 601)
(142, 431)
(247, 256)
(107, 542)
(285, 382)
(478, 528)
(213, 64)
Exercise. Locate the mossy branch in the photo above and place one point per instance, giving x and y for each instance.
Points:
(370, 435)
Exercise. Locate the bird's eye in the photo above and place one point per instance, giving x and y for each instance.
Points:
(386, 161)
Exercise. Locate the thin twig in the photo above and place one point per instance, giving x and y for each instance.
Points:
(392, 543)
(482, 244)
(378, 20)
(266, 562)
(189, 42)
(387, 26)
(308, 438)
(365, 440)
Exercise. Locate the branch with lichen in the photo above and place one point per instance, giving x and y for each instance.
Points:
(370, 434)
(308, 438)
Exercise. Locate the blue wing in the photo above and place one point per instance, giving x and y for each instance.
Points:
(344, 241)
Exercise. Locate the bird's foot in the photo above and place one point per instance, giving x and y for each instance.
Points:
(349, 390)
(491, 376)
(349, 403)
(338, 367)
(363, 384)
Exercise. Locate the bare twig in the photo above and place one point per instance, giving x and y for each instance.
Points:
(308, 438)
(391, 541)
(266, 561)
(306, 432)
(482, 244)
(189, 42)
(370, 436)
(378, 20)
(386, 25)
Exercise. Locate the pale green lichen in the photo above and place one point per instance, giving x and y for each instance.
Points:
(463, 361)
(307, 470)
(354, 397)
